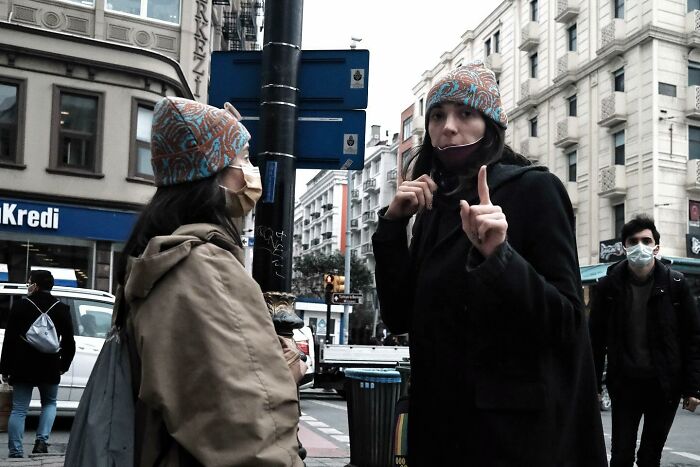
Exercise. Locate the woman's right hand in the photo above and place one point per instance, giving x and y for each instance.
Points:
(412, 196)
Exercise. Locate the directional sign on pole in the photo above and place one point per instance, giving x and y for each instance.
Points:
(328, 79)
(330, 132)
(346, 298)
(324, 139)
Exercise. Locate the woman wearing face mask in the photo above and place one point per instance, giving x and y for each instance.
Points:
(490, 293)
(214, 388)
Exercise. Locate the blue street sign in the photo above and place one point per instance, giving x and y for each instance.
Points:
(328, 79)
(324, 139)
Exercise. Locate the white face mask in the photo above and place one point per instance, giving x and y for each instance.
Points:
(241, 202)
(640, 255)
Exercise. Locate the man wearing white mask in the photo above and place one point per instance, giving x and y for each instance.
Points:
(645, 320)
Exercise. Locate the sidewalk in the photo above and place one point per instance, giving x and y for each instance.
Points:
(57, 449)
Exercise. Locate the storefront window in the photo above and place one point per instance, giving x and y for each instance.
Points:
(162, 10)
(70, 260)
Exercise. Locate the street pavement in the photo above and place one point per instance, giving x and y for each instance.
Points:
(324, 433)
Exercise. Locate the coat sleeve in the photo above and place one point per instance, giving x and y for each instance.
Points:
(212, 366)
(542, 285)
(9, 344)
(597, 326)
(67, 351)
(691, 343)
(393, 273)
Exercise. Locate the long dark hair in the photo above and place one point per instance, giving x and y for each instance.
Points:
(492, 149)
(173, 206)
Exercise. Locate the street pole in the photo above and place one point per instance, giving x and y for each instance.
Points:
(329, 297)
(345, 323)
(274, 214)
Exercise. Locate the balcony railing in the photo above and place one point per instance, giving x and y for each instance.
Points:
(528, 92)
(531, 148)
(613, 110)
(494, 62)
(366, 249)
(612, 181)
(567, 66)
(530, 36)
(369, 216)
(567, 10)
(370, 185)
(391, 176)
(612, 37)
(567, 132)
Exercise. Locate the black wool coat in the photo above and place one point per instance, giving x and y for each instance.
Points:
(673, 324)
(22, 362)
(501, 365)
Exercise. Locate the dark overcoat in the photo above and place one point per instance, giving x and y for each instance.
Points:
(502, 371)
(674, 330)
(21, 361)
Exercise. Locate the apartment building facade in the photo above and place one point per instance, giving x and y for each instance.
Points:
(78, 83)
(604, 93)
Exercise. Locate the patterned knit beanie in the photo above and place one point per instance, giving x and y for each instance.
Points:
(191, 141)
(472, 84)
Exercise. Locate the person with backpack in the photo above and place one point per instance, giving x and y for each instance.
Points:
(213, 387)
(38, 348)
(644, 318)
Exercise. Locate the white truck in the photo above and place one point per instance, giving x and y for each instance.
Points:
(333, 359)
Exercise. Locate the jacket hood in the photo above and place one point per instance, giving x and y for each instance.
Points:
(165, 252)
(498, 174)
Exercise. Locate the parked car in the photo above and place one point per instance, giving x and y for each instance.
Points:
(91, 311)
(305, 341)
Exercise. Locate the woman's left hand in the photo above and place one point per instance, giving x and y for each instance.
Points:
(484, 224)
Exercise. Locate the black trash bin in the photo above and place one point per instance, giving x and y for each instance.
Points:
(372, 395)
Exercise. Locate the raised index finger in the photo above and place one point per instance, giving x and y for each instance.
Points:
(483, 186)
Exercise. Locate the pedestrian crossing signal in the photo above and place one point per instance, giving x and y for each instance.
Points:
(338, 284)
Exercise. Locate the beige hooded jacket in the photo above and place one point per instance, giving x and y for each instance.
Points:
(215, 389)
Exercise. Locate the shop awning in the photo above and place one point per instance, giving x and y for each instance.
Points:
(592, 273)
(4, 275)
(61, 276)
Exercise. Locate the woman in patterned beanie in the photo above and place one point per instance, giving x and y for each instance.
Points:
(214, 388)
(489, 290)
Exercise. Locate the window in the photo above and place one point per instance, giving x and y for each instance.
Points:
(533, 127)
(487, 47)
(693, 5)
(619, 8)
(693, 74)
(76, 131)
(572, 106)
(693, 142)
(162, 10)
(140, 160)
(533, 66)
(11, 121)
(619, 80)
(619, 218)
(497, 41)
(534, 10)
(619, 143)
(572, 165)
(407, 128)
(667, 89)
(571, 34)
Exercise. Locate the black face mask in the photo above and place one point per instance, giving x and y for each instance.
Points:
(458, 158)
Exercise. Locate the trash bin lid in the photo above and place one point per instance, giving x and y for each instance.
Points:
(374, 375)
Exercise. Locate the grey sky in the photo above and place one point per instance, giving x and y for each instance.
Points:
(404, 37)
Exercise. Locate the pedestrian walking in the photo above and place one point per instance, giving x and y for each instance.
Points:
(27, 365)
(645, 320)
(214, 386)
(490, 293)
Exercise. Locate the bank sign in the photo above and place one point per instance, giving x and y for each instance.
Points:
(65, 220)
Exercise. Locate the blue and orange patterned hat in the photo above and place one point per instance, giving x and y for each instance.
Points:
(191, 141)
(474, 85)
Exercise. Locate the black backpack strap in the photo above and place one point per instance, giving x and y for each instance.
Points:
(676, 279)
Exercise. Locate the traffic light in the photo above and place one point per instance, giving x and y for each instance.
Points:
(328, 281)
(338, 284)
